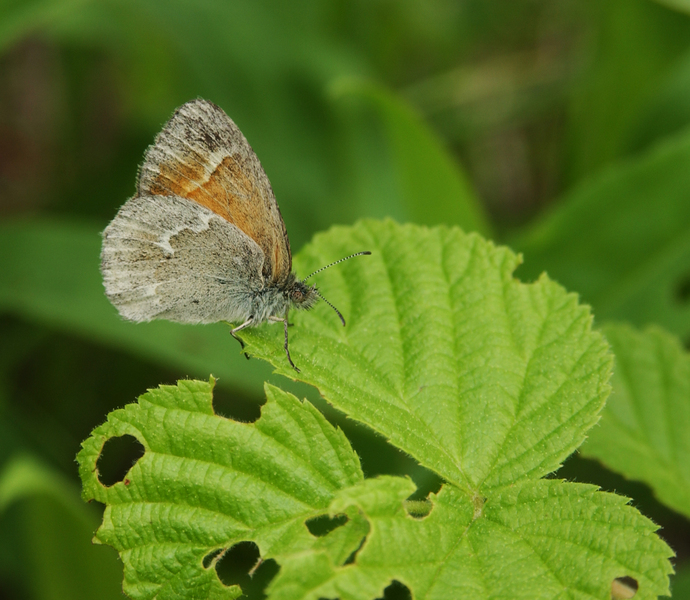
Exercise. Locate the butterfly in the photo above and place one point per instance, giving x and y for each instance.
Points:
(203, 240)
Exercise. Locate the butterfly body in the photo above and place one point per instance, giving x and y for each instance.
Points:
(168, 258)
(203, 239)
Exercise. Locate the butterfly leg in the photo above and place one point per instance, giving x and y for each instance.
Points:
(247, 323)
(285, 327)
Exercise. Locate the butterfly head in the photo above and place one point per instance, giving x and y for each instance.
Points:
(302, 295)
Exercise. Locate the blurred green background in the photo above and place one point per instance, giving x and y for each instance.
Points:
(560, 127)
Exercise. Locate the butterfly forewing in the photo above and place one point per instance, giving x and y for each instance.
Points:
(201, 155)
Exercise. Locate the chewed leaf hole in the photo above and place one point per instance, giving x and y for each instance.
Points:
(235, 406)
(242, 565)
(624, 588)
(323, 525)
(118, 456)
(397, 591)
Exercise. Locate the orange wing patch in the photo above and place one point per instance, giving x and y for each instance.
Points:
(201, 155)
(231, 192)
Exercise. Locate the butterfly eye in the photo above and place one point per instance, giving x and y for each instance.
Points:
(297, 296)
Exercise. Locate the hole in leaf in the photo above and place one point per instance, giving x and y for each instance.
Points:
(118, 456)
(242, 565)
(397, 591)
(378, 457)
(624, 588)
(323, 525)
(235, 406)
(683, 290)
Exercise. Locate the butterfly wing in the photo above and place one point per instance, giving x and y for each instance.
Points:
(169, 257)
(201, 155)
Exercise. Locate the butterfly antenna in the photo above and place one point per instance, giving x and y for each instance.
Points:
(329, 304)
(366, 252)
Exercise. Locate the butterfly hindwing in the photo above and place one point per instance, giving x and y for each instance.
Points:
(169, 257)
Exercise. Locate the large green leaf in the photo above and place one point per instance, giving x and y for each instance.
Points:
(446, 354)
(485, 380)
(622, 239)
(644, 431)
(206, 483)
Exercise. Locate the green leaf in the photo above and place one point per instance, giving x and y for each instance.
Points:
(51, 274)
(432, 184)
(206, 483)
(549, 539)
(482, 379)
(622, 240)
(643, 432)
(488, 381)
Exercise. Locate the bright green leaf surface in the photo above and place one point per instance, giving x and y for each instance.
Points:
(207, 483)
(434, 188)
(482, 379)
(545, 540)
(622, 240)
(643, 432)
(488, 381)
